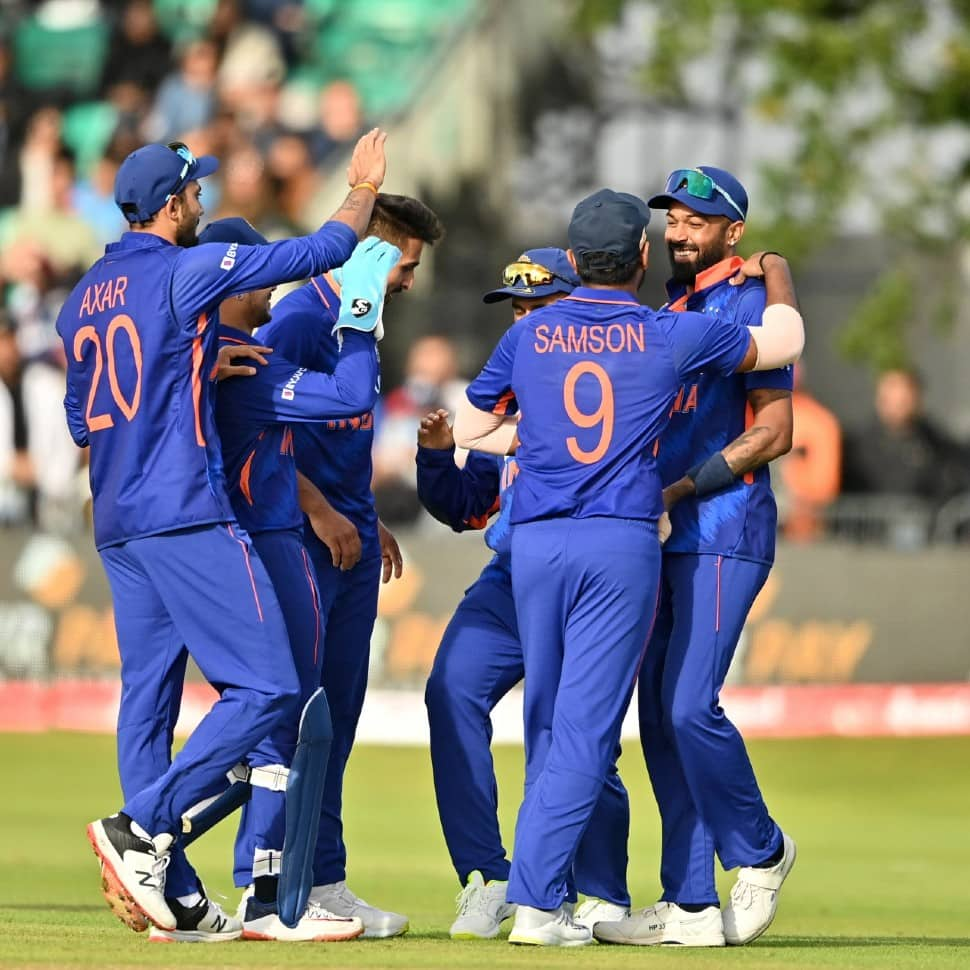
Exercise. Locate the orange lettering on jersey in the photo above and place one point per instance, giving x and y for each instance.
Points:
(691, 403)
(367, 421)
(675, 407)
(121, 284)
(634, 337)
(541, 344)
(576, 343)
(556, 342)
(596, 343)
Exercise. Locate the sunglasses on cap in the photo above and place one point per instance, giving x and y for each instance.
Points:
(525, 275)
(184, 152)
(699, 185)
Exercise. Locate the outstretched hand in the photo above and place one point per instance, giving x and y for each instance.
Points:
(435, 432)
(368, 163)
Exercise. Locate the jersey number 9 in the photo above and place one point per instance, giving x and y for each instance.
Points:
(129, 408)
(603, 415)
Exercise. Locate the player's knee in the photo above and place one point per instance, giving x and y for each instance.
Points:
(689, 717)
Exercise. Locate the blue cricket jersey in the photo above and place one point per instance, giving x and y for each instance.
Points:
(594, 375)
(466, 498)
(708, 413)
(334, 455)
(140, 342)
(254, 417)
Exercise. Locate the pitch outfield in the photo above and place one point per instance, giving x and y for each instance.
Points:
(883, 830)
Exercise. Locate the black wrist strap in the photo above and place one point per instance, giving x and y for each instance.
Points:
(711, 475)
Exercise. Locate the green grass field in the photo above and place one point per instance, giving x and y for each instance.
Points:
(883, 831)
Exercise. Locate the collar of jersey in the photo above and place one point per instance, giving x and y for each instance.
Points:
(231, 335)
(711, 276)
(587, 294)
(138, 240)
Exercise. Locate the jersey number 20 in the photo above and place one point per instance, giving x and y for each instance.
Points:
(98, 422)
(603, 415)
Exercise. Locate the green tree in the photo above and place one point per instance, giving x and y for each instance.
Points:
(876, 94)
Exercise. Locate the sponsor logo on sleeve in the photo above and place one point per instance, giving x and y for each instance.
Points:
(289, 388)
(229, 260)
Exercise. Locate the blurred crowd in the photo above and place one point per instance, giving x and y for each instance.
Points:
(84, 82)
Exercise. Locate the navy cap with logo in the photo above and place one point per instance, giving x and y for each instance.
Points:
(152, 174)
(234, 229)
(708, 190)
(535, 274)
(610, 223)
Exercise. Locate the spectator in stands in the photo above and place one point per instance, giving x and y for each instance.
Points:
(187, 97)
(139, 54)
(810, 474)
(341, 121)
(430, 382)
(16, 468)
(902, 452)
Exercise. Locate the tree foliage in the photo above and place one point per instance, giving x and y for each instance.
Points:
(876, 97)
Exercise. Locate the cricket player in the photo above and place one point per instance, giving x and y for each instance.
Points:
(480, 660)
(595, 376)
(336, 457)
(722, 433)
(140, 343)
(255, 416)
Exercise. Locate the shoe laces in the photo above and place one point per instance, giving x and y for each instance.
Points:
(471, 899)
(159, 865)
(316, 911)
(743, 893)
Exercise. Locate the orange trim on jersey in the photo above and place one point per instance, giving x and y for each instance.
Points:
(480, 521)
(320, 292)
(244, 474)
(197, 356)
(286, 442)
(249, 569)
(590, 299)
(315, 595)
(231, 340)
(502, 404)
(711, 276)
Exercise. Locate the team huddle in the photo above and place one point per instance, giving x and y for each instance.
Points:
(620, 454)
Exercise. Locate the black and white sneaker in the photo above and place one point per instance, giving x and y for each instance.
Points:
(133, 871)
(205, 922)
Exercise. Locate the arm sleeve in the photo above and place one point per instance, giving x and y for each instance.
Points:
(751, 305)
(281, 391)
(700, 342)
(207, 274)
(462, 498)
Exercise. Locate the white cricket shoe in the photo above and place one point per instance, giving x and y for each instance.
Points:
(133, 871)
(378, 923)
(593, 911)
(664, 924)
(262, 922)
(548, 927)
(481, 909)
(754, 898)
(203, 923)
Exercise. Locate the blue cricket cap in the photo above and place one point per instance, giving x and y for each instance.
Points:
(535, 274)
(235, 229)
(152, 174)
(613, 223)
(719, 194)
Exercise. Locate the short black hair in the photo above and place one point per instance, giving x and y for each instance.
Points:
(397, 218)
(602, 268)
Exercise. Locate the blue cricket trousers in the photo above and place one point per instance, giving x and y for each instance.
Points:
(478, 662)
(705, 786)
(349, 608)
(201, 592)
(585, 592)
(259, 842)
